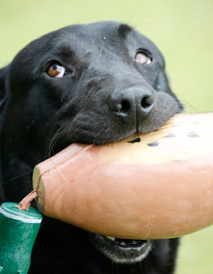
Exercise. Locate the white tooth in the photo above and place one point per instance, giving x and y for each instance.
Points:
(122, 243)
(111, 238)
(134, 242)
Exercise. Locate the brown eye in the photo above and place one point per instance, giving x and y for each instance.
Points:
(143, 58)
(56, 70)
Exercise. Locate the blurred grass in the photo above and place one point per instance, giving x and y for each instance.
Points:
(182, 30)
(195, 254)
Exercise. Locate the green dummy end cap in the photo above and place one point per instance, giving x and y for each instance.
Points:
(18, 231)
(10, 210)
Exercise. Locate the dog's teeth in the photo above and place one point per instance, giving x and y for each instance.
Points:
(122, 243)
(134, 242)
(111, 238)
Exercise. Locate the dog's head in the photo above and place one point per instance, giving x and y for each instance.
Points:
(95, 83)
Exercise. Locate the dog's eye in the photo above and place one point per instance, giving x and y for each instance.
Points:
(56, 70)
(143, 58)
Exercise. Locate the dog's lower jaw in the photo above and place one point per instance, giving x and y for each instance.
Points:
(122, 251)
(116, 258)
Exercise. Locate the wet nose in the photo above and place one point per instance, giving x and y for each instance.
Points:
(133, 103)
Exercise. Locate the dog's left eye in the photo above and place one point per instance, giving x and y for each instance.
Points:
(56, 70)
(143, 57)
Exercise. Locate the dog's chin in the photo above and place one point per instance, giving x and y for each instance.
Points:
(123, 251)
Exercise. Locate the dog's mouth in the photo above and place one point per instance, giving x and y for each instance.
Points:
(122, 250)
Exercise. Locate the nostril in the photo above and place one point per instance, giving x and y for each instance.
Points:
(125, 107)
(147, 101)
(131, 102)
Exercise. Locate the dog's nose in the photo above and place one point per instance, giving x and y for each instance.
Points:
(132, 103)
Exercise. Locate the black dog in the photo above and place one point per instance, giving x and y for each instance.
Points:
(95, 83)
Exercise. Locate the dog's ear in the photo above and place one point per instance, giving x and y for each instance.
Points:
(3, 93)
(163, 84)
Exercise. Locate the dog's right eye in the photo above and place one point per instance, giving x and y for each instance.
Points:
(56, 70)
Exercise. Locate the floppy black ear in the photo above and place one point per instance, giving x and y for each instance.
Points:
(163, 84)
(3, 93)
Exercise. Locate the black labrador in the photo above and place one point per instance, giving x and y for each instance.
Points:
(95, 83)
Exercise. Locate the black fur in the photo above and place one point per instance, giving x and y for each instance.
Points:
(105, 95)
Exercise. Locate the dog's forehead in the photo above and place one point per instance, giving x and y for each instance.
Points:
(92, 36)
(95, 31)
(103, 35)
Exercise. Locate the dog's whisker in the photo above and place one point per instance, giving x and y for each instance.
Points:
(99, 134)
(54, 140)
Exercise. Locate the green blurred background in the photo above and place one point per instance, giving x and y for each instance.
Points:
(182, 30)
